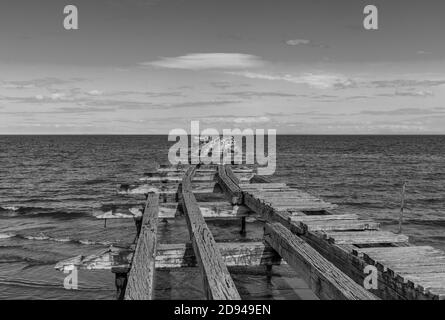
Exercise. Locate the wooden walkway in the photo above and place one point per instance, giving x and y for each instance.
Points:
(329, 251)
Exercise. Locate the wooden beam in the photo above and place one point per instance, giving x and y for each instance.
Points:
(230, 188)
(364, 237)
(140, 280)
(218, 284)
(168, 188)
(171, 210)
(340, 255)
(231, 175)
(173, 256)
(326, 280)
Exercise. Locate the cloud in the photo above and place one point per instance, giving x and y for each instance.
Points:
(238, 120)
(47, 82)
(297, 42)
(251, 120)
(406, 83)
(412, 93)
(95, 93)
(193, 104)
(305, 42)
(203, 61)
(227, 84)
(403, 112)
(319, 81)
(262, 94)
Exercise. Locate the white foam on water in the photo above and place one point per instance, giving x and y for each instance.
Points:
(136, 212)
(6, 235)
(10, 208)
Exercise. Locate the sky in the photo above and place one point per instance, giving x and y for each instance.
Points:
(150, 66)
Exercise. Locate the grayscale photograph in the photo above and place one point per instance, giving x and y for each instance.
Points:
(191, 150)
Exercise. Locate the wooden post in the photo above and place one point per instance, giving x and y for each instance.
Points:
(138, 223)
(402, 207)
(243, 226)
(121, 284)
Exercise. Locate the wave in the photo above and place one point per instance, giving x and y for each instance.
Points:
(95, 181)
(368, 204)
(17, 211)
(44, 284)
(43, 237)
(10, 208)
(30, 261)
(427, 222)
(6, 235)
(430, 200)
(142, 189)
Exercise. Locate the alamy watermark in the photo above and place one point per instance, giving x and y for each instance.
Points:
(70, 282)
(370, 281)
(71, 19)
(225, 149)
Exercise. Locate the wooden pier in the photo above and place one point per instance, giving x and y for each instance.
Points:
(329, 251)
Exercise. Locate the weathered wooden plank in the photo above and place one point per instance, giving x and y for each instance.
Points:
(231, 175)
(209, 210)
(401, 261)
(341, 255)
(218, 283)
(285, 197)
(168, 188)
(241, 254)
(178, 178)
(199, 176)
(324, 217)
(364, 237)
(262, 186)
(326, 280)
(178, 171)
(231, 189)
(290, 200)
(186, 182)
(424, 267)
(173, 256)
(305, 207)
(395, 251)
(100, 260)
(140, 280)
(340, 225)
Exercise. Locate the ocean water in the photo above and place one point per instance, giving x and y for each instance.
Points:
(51, 188)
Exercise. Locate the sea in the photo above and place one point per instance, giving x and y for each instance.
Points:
(53, 187)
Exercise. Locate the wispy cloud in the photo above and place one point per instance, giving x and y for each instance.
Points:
(411, 93)
(404, 112)
(47, 82)
(203, 61)
(251, 120)
(227, 84)
(233, 119)
(305, 42)
(192, 104)
(263, 94)
(319, 81)
(406, 83)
